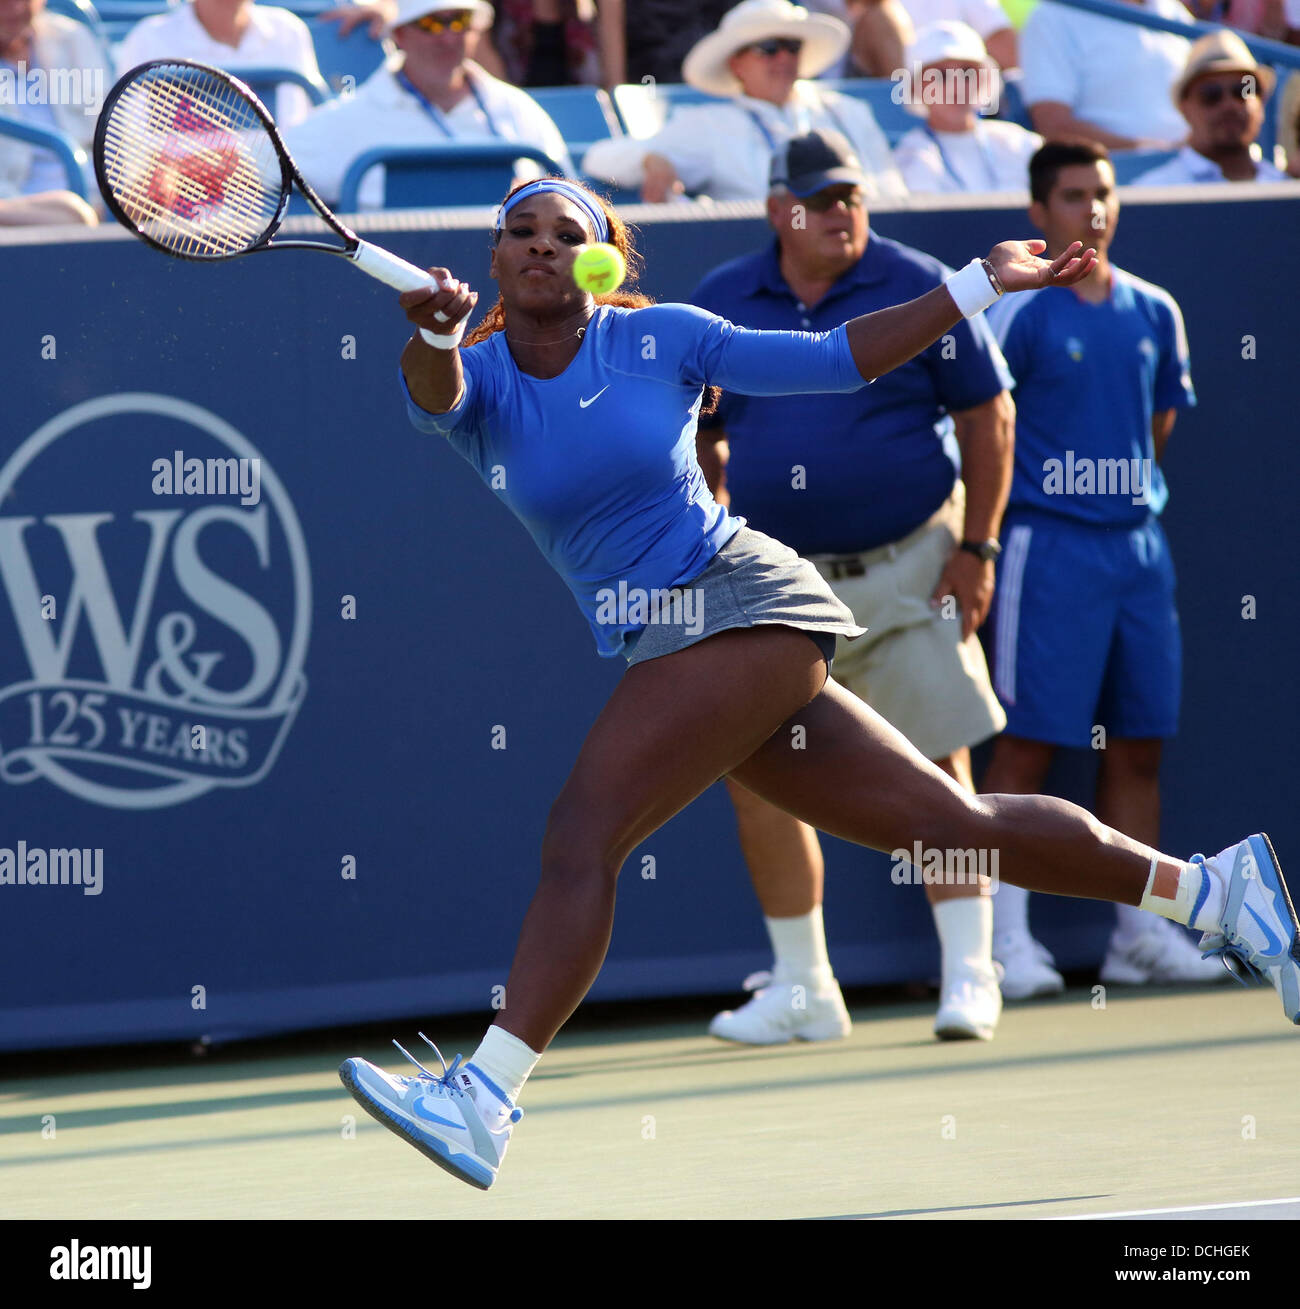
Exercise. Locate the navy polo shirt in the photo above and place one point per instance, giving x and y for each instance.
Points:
(840, 474)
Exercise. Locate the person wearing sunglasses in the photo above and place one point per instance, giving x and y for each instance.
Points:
(1221, 94)
(758, 63)
(434, 92)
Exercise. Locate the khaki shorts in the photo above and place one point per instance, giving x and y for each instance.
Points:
(912, 667)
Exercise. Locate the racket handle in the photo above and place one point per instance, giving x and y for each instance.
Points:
(401, 276)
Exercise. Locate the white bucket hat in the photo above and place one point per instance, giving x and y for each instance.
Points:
(409, 10)
(825, 39)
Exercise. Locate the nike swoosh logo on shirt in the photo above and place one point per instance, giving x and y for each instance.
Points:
(582, 404)
(1274, 945)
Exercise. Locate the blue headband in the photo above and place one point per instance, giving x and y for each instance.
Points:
(566, 189)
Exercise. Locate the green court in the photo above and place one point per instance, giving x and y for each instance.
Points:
(1154, 1101)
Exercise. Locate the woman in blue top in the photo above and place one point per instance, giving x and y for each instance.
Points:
(586, 410)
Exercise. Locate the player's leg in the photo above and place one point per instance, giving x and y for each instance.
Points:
(859, 779)
(673, 727)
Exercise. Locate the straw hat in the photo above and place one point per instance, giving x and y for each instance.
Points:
(825, 39)
(1222, 52)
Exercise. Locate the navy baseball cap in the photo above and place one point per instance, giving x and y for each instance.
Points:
(810, 163)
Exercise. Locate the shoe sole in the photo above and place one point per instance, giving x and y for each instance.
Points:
(838, 1034)
(400, 1128)
(1294, 951)
(954, 1031)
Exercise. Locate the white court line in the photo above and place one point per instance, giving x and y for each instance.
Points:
(1182, 1209)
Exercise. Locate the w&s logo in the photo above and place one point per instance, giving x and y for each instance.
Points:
(151, 645)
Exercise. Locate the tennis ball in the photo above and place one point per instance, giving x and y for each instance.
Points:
(599, 269)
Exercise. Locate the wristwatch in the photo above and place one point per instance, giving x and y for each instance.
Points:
(984, 551)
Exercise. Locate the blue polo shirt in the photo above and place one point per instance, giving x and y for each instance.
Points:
(1089, 379)
(840, 474)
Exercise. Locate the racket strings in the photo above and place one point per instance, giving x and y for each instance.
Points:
(190, 163)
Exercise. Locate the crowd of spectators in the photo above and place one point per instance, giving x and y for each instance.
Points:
(456, 70)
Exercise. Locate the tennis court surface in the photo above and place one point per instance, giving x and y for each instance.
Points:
(1159, 1101)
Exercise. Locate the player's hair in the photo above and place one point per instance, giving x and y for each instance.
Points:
(1047, 163)
(621, 239)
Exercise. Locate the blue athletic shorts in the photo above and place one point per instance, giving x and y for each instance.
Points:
(1084, 631)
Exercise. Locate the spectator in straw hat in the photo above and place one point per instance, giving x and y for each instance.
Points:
(956, 150)
(1221, 94)
(757, 63)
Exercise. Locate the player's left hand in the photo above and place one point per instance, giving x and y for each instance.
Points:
(1019, 268)
(969, 580)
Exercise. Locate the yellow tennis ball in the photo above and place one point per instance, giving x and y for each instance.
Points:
(599, 269)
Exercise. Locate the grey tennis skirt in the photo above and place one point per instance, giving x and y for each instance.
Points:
(753, 580)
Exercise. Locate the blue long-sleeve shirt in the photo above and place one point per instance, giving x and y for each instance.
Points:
(599, 463)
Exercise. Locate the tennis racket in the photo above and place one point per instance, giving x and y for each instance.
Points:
(190, 160)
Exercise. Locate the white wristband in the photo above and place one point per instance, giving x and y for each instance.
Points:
(971, 289)
(445, 340)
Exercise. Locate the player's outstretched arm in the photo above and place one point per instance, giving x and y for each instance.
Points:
(892, 336)
(434, 376)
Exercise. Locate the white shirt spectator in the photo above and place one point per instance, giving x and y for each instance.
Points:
(1190, 166)
(383, 112)
(724, 150)
(274, 38)
(993, 157)
(1115, 75)
(57, 43)
(985, 16)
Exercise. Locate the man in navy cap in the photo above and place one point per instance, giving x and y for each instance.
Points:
(866, 485)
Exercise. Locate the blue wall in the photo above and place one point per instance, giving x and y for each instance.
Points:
(387, 754)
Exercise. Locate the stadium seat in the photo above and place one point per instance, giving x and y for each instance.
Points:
(420, 176)
(356, 55)
(85, 12)
(266, 81)
(70, 154)
(877, 93)
(1131, 164)
(1013, 108)
(643, 108)
(583, 114)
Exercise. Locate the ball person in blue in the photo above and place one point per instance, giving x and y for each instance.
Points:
(591, 406)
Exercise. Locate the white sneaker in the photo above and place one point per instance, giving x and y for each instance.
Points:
(458, 1119)
(1163, 955)
(1028, 969)
(783, 1009)
(970, 1004)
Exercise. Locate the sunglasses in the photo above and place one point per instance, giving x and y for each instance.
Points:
(1208, 94)
(822, 202)
(436, 26)
(776, 45)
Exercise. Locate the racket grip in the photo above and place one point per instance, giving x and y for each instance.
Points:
(389, 269)
(401, 276)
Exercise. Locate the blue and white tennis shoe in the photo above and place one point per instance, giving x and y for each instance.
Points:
(460, 1120)
(1258, 934)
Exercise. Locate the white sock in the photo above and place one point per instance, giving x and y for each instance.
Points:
(1010, 912)
(965, 928)
(1194, 897)
(503, 1063)
(799, 945)
(1131, 922)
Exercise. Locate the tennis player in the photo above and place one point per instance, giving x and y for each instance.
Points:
(591, 406)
